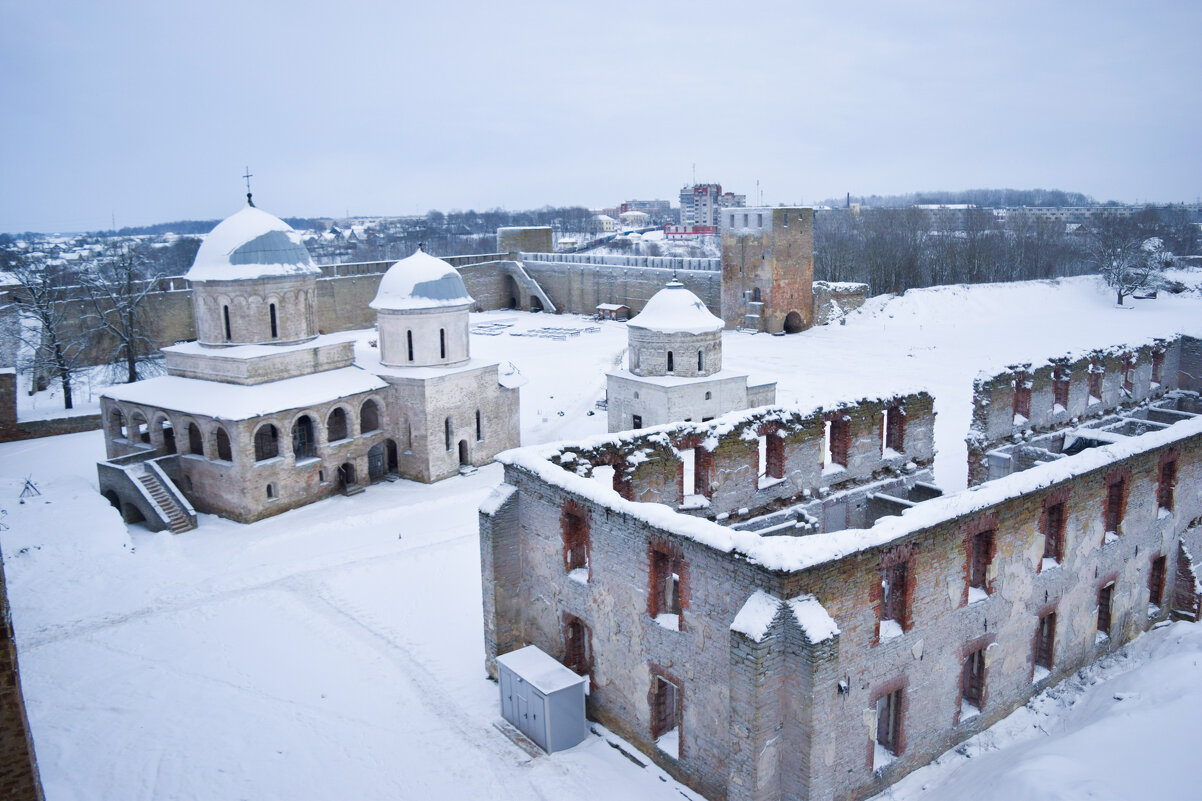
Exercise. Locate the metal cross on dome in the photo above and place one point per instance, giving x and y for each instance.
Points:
(248, 176)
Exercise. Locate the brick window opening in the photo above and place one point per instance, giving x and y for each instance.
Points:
(980, 555)
(1053, 535)
(665, 716)
(1060, 386)
(894, 425)
(1022, 397)
(575, 545)
(1045, 645)
(1129, 374)
(1156, 584)
(888, 729)
(1116, 500)
(1165, 487)
(972, 685)
(665, 598)
(1157, 367)
(838, 441)
(893, 600)
(1105, 594)
(1096, 371)
(577, 646)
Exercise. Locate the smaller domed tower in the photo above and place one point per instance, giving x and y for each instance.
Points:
(676, 373)
(675, 334)
(422, 313)
(253, 283)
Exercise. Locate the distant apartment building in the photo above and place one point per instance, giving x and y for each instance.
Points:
(700, 204)
(658, 210)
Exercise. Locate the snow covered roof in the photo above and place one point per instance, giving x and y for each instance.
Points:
(675, 309)
(540, 669)
(251, 244)
(242, 402)
(420, 281)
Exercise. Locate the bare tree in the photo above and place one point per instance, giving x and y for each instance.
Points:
(116, 292)
(1116, 250)
(53, 343)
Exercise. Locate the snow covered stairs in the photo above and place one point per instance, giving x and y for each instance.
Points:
(173, 515)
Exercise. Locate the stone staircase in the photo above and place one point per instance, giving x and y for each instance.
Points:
(176, 518)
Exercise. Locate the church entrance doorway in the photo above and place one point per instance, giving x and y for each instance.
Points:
(346, 476)
(390, 448)
(375, 462)
(464, 457)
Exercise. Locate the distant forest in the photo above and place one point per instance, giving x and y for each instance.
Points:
(992, 198)
(895, 249)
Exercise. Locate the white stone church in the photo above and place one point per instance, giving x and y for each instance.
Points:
(675, 372)
(262, 414)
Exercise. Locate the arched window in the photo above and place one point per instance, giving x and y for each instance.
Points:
(275, 332)
(670, 365)
(224, 453)
(168, 434)
(442, 343)
(138, 430)
(447, 427)
(270, 492)
(225, 313)
(304, 445)
(267, 442)
(369, 417)
(117, 422)
(479, 427)
(700, 362)
(409, 340)
(195, 443)
(336, 425)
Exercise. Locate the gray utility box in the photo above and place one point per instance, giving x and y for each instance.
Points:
(542, 698)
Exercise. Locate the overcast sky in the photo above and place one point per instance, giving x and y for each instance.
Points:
(150, 111)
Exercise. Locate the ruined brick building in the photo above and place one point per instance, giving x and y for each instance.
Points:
(263, 414)
(779, 604)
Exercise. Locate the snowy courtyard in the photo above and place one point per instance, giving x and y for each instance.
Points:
(336, 651)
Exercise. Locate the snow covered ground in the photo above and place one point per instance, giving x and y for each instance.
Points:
(336, 651)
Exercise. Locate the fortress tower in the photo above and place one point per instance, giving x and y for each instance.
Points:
(768, 268)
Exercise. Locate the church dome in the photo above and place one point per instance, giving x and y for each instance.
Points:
(251, 244)
(420, 281)
(676, 310)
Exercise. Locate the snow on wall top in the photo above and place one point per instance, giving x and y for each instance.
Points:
(536, 667)
(420, 281)
(676, 310)
(800, 553)
(251, 244)
(240, 402)
(758, 612)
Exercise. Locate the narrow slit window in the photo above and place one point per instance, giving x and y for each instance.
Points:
(442, 343)
(1053, 533)
(1156, 582)
(973, 682)
(275, 332)
(1105, 596)
(479, 427)
(1045, 641)
(671, 366)
(409, 342)
(225, 314)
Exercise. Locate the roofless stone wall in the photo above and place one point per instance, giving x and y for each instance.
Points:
(826, 666)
